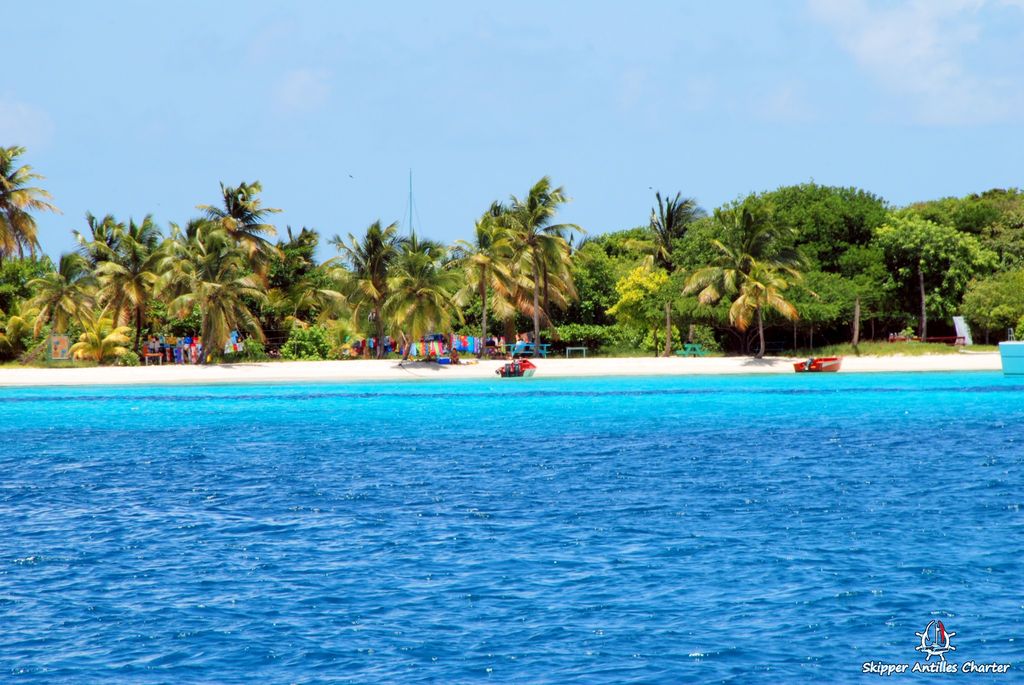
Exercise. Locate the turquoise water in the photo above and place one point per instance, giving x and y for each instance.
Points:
(737, 529)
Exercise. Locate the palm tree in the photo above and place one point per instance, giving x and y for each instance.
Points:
(103, 240)
(368, 262)
(761, 289)
(128, 277)
(487, 265)
(543, 245)
(63, 295)
(100, 339)
(17, 199)
(421, 291)
(244, 218)
(15, 327)
(210, 269)
(669, 222)
(751, 267)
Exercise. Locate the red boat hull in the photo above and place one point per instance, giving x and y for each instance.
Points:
(519, 368)
(819, 365)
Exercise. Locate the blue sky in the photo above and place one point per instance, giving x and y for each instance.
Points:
(133, 108)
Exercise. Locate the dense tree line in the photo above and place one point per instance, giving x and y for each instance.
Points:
(788, 268)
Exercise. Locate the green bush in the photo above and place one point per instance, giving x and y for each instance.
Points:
(252, 351)
(306, 344)
(129, 358)
(705, 337)
(591, 335)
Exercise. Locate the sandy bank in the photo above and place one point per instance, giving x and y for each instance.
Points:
(368, 370)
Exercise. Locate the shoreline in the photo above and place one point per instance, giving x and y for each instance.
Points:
(391, 370)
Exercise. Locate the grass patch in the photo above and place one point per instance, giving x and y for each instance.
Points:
(887, 349)
(47, 364)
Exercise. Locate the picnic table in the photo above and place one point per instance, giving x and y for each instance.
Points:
(575, 349)
(522, 349)
(692, 350)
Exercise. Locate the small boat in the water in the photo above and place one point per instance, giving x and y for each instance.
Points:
(517, 368)
(1012, 355)
(819, 365)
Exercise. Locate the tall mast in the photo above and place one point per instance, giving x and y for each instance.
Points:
(411, 230)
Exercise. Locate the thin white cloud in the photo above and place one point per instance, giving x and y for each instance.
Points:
(302, 90)
(917, 50)
(786, 104)
(24, 124)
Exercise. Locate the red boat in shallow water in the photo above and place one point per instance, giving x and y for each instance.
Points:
(518, 368)
(819, 365)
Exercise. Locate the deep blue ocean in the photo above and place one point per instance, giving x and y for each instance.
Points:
(713, 529)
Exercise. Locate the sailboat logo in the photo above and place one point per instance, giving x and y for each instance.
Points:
(935, 641)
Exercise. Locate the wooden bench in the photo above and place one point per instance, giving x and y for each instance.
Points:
(148, 357)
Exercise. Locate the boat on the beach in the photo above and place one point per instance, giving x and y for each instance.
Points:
(1011, 353)
(819, 365)
(517, 368)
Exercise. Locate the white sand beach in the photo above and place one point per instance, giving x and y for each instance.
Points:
(391, 370)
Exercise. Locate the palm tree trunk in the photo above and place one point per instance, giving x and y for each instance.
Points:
(924, 313)
(483, 298)
(138, 330)
(760, 333)
(536, 308)
(378, 327)
(856, 322)
(547, 300)
(668, 329)
(206, 341)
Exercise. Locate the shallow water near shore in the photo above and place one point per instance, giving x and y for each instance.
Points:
(686, 529)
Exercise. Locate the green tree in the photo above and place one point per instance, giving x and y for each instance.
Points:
(670, 219)
(17, 199)
(932, 261)
(486, 262)
(243, 217)
(309, 344)
(760, 291)
(753, 266)
(210, 270)
(129, 273)
(642, 297)
(16, 274)
(100, 340)
(824, 221)
(16, 326)
(102, 240)
(995, 303)
(368, 261)
(299, 291)
(545, 250)
(824, 300)
(294, 259)
(63, 295)
(420, 292)
(594, 274)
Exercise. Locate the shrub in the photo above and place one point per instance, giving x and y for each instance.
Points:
(591, 335)
(252, 351)
(129, 358)
(705, 337)
(306, 344)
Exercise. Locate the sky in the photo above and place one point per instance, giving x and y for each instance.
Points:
(135, 108)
